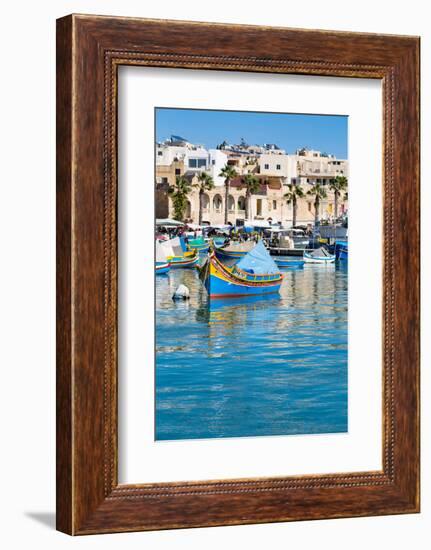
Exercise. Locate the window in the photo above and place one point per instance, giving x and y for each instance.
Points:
(278, 167)
(274, 204)
(177, 171)
(213, 162)
(259, 207)
(266, 166)
(160, 153)
(164, 180)
(309, 206)
(197, 163)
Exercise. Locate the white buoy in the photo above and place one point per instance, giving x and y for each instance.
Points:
(182, 293)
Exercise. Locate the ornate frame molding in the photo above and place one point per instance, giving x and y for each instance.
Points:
(90, 51)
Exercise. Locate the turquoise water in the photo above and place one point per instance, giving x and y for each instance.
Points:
(274, 365)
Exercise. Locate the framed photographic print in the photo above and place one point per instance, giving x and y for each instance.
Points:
(237, 274)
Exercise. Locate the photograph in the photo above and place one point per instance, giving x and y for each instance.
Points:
(251, 273)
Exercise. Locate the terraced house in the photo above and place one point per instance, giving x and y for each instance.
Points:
(275, 172)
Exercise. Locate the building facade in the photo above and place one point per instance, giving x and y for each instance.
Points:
(274, 169)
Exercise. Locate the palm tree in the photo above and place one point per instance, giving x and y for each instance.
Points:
(319, 193)
(337, 185)
(206, 183)
(228, 173)
(295, 192)
(179, 192)
(252, 185)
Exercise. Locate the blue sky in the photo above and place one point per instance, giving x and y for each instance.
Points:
(326, 133)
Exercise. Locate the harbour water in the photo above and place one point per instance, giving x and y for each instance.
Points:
(236, 367)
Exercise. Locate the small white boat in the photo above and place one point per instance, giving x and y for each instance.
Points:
(319, 256)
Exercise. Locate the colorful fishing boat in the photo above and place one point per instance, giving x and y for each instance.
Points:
(177, 254)
(319, 256)
(234, 250)
(162, 264)
(218, 241)
(162, 268)
(188, 259)
(198, 244)
(284, 262)
(256, 273)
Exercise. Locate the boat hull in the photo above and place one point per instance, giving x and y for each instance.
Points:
(341, 250)
(162, 268)
(343, 254)
(190, 259)
(319, 259)
(225, 255)
(284, 263)
(222, 281)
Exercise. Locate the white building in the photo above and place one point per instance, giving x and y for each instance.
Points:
(196, 158)
(303, 167)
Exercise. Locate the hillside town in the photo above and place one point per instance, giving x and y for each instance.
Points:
(240, 183)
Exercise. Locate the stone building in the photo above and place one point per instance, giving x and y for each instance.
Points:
(274, 169)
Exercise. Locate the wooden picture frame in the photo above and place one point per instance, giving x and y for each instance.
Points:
(89, 51)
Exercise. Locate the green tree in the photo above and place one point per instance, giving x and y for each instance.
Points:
(205, 183)
(252, 185)
(179, 193)
(337, 185)
(295, 192)
(319, 193)
(228, 173)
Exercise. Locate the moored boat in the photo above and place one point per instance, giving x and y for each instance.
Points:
(177, 254)
(254, 274)
(188, 259)
(319, 256)
(234, 250)
(162, 268)
(287, 262)
(198, 244)
(342, 250)
(162, 264)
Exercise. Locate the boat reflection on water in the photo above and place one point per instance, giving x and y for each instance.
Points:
(234, 311)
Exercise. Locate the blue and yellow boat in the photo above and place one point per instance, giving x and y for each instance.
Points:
(199, 244)
(187, 259)
(254, 274)
(177, 254)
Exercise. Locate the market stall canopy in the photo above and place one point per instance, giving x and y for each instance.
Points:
(261, 224)
(168, 221)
